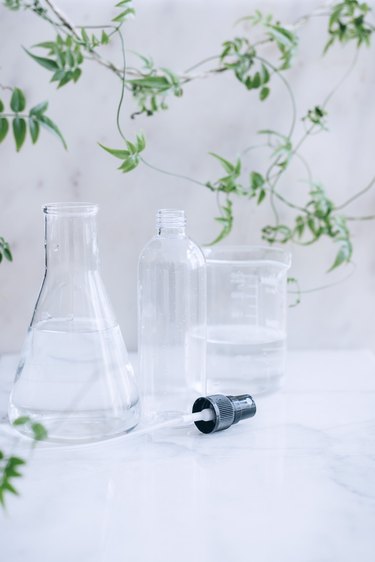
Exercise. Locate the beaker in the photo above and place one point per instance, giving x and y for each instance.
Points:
(74, 376)
(246, 318)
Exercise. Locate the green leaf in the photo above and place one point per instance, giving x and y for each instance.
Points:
(104, 38)
(70, 59)
(152, 82)
(8, 254)
(68, 76)
(8, 486)
(76, 74)
(122, 17)
(262, 194)
(46, 45)
(16, 461)
(4, 128)
(122, 154)
(18, 100)
(228, 166)
(39, 431)
(141, 142)
(129, 165)
(342, 256)
(39, 109)
(265, 74)
(256, 80)
(49, 64)
(256, 180)
(52, 127)
(264, 93)
(1, 106)
(58, 75)
(85, 37)
(22, 420)
(34, 130)
(19, 131)
(131, 146)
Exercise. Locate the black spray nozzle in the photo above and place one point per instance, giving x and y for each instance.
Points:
(227, 411)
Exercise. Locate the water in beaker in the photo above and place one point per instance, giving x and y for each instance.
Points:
(246, 331)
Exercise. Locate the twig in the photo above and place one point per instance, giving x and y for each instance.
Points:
(62, 18)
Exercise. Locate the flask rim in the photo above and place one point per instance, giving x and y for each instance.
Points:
(70, 208)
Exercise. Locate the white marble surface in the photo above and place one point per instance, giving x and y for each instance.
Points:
(216, 115)
(295, 484)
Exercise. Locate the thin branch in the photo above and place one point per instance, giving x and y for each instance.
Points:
(122, 84)
(365, 218)
(327, 285)
(63, 19)
(167, 173)
(356, 195)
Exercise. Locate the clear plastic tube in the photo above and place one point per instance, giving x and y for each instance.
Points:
(172, 317)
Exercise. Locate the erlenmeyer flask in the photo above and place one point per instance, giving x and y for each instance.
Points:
(74, 376)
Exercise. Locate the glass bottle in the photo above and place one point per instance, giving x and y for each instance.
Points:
(171, 317)
(74, 376)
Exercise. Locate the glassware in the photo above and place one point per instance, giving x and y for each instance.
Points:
(74, 376)
(172, 317)
(246, 325)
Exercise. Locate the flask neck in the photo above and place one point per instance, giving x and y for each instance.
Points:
(170, 223)
(70, 237)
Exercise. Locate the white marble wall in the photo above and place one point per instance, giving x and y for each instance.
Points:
(213, 115)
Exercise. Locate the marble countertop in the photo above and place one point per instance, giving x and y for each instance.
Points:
(294, 484)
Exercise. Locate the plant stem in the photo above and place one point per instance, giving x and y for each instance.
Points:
(122, 83)
(63, 19)
(356, 195)
(175, 175)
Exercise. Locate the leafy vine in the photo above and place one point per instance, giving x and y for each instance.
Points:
(64, 56)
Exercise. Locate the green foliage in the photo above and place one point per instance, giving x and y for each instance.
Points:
(64, 57)
(5, 251)
(21, 122)
(225, 220)
(17, 101)
(38, 431)
(13, 4)
(10, 465)
(130, 156)
(293, 282)
(282, 148)
(318, 220)
(257, 186)
(317, 116)
(239, 56)
(9, 471)
(284, 38)
(126, 11)
(151, 89)
(347, 22)
(227, 183)
(151, 86)
(19, 131)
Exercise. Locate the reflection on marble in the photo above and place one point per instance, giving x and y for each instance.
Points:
(295, 484)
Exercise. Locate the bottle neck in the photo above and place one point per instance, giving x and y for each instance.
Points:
(70, 237)
(170, 223)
